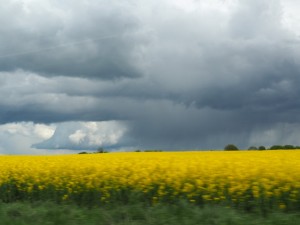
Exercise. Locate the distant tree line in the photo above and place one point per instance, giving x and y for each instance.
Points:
(277, 147)
(229, 147)
(102, 150)
(232, 147)
(257, 148)
(149, 150)
(99, 150)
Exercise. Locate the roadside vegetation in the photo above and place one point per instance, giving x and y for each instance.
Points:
(183, 213)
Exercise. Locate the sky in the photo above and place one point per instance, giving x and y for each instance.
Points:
(155, 74)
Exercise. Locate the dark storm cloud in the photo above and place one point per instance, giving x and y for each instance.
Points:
(72, 39)
(206, 74)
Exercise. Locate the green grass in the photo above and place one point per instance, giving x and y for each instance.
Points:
(48, 213)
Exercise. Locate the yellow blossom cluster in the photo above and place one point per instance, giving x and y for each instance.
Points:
(244, 178)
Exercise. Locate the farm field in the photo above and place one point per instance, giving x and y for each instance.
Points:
(258, 182)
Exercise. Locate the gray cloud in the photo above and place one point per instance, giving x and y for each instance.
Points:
(88, 39)
(195, 74)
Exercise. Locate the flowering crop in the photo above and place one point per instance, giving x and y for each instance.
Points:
(247, 179)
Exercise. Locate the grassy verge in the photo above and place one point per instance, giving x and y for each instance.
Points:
(36, 213)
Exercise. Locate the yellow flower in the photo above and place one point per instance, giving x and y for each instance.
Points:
(213, 176)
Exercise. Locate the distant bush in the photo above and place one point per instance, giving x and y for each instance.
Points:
(153, 150)
(82, 153)
(276, 147)
(284, 147)
(101, 150)
(279, 147)
(255, 148)
(231, 147)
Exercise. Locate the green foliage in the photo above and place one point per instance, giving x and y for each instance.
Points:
(37, 213)
(283, 147)
(231, 147)
(149, 150)
(276, 147)
(288, 147)
(255, 148)
(101, 150)
(153, 150)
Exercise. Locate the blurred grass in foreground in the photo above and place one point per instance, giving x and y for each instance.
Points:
(183, 213)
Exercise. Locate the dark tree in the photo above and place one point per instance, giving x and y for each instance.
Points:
(262, 148)
(276, 147)
(101, 150)
(289, 147)
(231, 147)
(252, 148)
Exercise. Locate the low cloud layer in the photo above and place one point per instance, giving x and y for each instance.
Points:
(85, 136)
(17, 138)
(170, 74)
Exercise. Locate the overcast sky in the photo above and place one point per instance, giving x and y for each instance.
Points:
(155, 74)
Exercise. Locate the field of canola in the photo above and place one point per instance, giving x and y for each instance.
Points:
(252, 180)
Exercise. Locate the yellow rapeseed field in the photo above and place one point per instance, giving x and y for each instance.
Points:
(248, 179)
